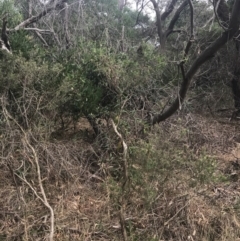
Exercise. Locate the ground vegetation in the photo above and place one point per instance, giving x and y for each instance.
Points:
(119, 125)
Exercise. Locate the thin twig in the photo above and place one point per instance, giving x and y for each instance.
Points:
(170, 219)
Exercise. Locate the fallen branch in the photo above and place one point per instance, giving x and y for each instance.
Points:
(42, 31)
(125, 181)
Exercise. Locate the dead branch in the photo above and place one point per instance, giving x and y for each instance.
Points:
(122, 200)
(36, 18)
(43, 199)
(42, 31)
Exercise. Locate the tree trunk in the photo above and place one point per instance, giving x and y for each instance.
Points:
(203, 57)
(236, 79)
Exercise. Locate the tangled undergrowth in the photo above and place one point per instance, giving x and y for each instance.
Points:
(79, 162)
(180, 182)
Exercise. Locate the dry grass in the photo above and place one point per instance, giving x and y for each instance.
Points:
(183, 184)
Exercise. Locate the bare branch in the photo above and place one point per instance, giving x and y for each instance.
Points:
(67, 38)
(41, 38)
(216, 10)
(140, 11)
(191, 16)
(168, 10)
(35, 156)
(176, 16)
(159, 21)
(34, 19)
(221, 13)
(191, 39)
(38, 32)
(203, 57)
(30, 8)
(122, 201)
(42, 31)
(188, 46)
(164, 34)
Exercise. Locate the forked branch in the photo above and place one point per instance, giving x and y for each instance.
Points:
(203, 57)
(160, 18)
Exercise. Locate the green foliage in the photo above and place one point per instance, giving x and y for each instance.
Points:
(204, 169)
(88, 82)
(8, 7)
(98, 78)
(24, 44)
(151, 165)
(94, 78)
(25, 85)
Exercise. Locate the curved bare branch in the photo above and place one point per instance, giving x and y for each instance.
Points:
(221, 13)
(176, 16)
(204, 56)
